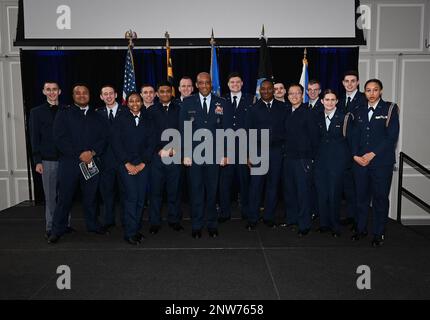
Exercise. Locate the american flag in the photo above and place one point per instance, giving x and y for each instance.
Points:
(129, 77)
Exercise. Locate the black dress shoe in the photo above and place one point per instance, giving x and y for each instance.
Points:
(176, 226)
(53, 239)
(101, 232)
(154, 229)
(323, 229)
(269, 223)
(303, 233)
(282, 225)
(336, 235)
(70, 230)
(223, 219)
(105, 230)
(134, 240)
(140, 236)
(357, 236)
(108, 227)
(251, 226)
(294, 227)
(314, 216)
(347, 221)
(377, 242)
(47, 234)
(213, 233)
(196, 234)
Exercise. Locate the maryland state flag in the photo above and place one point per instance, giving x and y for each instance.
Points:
(169, 64)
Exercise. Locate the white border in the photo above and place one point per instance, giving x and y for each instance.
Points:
(367, 62)
(10, 31)
(14, 117)
(7, 193)
(402, 95)
(4, 124)
(394, 75)
(379, 6)
(17, 194)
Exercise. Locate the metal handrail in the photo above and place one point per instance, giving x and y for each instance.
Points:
(403, 191)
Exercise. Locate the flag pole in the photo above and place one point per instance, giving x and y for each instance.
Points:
(130, 35)
(129, 75)
(304, 77)
(214, 71)
(212, 42)
(167, 36)
(169, 65)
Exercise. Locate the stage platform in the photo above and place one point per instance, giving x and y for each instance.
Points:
(263, 264)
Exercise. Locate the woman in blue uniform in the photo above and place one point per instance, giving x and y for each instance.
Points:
(374, 139)
(332, 159)
(133, 145)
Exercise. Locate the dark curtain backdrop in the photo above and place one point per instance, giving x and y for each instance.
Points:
(99, 67)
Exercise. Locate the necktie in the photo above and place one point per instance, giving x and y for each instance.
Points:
(235, 102)
(83, 111)
(54, 108)
(327, 122)
(268, 106)
(310, 105)
(205, 106)
(136, 119)
(370, 111)
(111, 116)
(348, 102)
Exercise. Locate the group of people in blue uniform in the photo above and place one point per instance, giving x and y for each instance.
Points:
(317, 153)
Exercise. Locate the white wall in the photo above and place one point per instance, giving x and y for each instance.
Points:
(13, 163)
(396, 53)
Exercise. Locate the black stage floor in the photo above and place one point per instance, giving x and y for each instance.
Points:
(264, 264)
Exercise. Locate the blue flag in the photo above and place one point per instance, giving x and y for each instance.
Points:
(216, 88)
(304, 80)
(129, 76)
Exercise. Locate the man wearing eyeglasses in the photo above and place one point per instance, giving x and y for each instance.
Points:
(300, 148)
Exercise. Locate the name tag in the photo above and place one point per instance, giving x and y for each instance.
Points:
(338, 126)
(381, 117)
